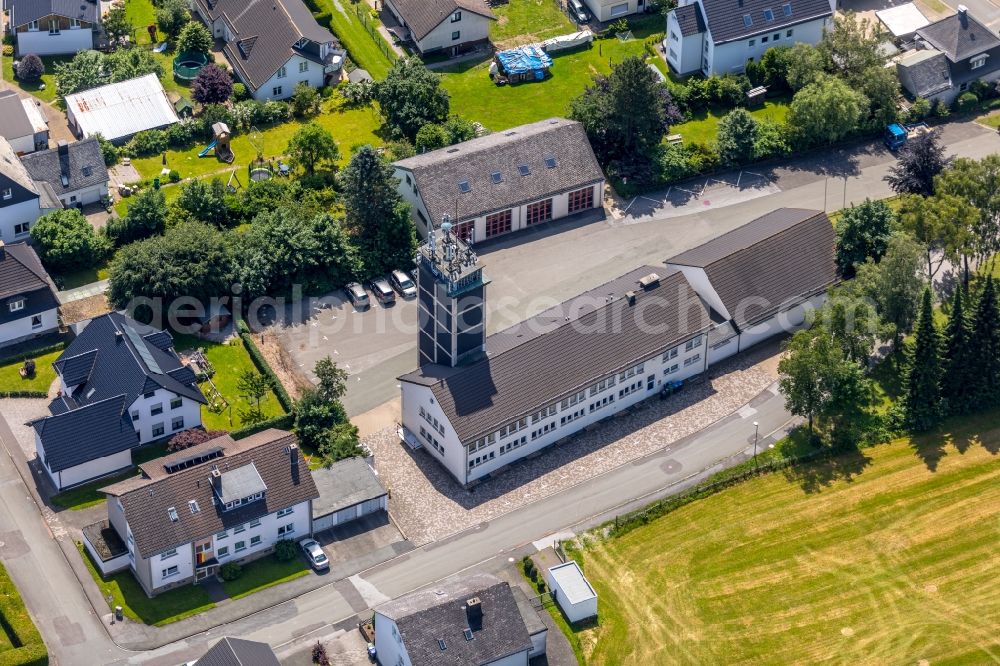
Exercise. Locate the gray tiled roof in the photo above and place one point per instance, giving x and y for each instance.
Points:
(439, 172)
(22, 275)
(924, 73)
(344, 484)
(424, 618)
(14, 122)
(146, 502)
(268, 32)
(959, 37)
(422, 16)
(596, 337)
(99, 429)
(25, 11)
(689, 19)
(726, 22)
(82, 164)
(779, 257)
(239, 652)
(14, 176)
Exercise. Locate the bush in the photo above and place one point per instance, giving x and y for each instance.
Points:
(319, 655)
(109, 151)
(941, 109)
(285, 550)
(192, 437)
(230, 571)
(67, 242)
(194, 38)
(966, 102)
(920, 110)
(174, 176)
(146, 143)
(361, 93)
(305, 100)
(30, 68)
(180, 135)
(263, 368)
(212, 85)
(240, 92)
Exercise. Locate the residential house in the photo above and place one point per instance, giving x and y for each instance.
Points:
(222, 501)
(951, 54)
(22, 200)
(117, 111)
(54, 27)
(28, 304)
(121, 385)
(720, 36)
(449, 26)
(75, 172)
(478, 403)
(22, 123)
(273, 46)
(237, 652)
(505, 181)
(478, 619)
(611, 10)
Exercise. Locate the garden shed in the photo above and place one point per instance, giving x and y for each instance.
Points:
(117, 111)
(348, 489)
(572, 591)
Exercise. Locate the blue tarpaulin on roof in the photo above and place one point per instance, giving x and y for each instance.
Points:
(524, 59)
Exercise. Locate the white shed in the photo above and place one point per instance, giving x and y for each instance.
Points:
(119, 110)
(572, 591)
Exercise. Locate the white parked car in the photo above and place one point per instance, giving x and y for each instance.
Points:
(314, 553)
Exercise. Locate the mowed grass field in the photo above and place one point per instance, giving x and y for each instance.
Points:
(897, 565)
(528, 21)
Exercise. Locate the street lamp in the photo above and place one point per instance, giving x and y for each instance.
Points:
(755, 430)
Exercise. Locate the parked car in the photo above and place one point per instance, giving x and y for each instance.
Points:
(357, 295)
(402, 283)
(314, 553)
(577, 11)
(383, 292)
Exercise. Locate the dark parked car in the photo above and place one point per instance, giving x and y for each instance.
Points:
(357, 295)
(383, 292)
(402, 283)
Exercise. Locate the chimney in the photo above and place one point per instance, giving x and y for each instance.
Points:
(474, 613)
(63, 147)
(630, 295)
(963, 14)
(293, 455)
(118, 337)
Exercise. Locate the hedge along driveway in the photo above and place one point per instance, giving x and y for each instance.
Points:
(360, 44)
(351, 128)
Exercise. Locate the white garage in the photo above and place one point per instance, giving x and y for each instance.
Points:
(572, 591)
(348, 490)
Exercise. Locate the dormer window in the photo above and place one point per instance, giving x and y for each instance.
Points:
(978, 61)
(302, 43)
(16, 305)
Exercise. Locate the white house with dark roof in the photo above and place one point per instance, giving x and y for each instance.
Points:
(22, 123)
(479, 403)
(121, 385)
(53, 27)
(720, 36)
(506, 181)
(221, 501)
(28, 304)
(75, 171)
(478, 619)
(273, 46)
(452, 26)
(22, 200)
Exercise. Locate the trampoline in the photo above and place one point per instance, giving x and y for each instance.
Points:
(187, 65)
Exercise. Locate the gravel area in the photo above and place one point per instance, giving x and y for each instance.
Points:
(428, 504)
(17, 412)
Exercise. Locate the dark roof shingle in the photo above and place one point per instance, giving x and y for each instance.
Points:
(25, 11)
(580, 342)
(690, 20)
(726, 21)
(239, 652)
(422, 16)
(94, 431)
(777, 258)
(959, 37)
(82, 163)
(424, 618)
(439, 172)
(146, 501)
(22, 276)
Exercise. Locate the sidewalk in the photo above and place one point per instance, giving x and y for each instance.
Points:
(80, 293)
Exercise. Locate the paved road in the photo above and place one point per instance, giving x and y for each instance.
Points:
(72, 630)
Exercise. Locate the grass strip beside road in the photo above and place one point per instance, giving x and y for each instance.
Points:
(264, 573)
(20, 642)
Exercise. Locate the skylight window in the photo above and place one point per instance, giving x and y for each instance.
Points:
(497, 177)
(442, 645)
(468, 634)
(768, 15)
(464, 187)
(172, 512)
(550, 162)
(786, 9)
(87, 171)
(524, 169)
(747, 20)
(193, 505)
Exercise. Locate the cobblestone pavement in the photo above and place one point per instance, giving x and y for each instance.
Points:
(19, 411)
(428, 504)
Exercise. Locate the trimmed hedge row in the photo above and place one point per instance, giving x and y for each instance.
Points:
(283, 422)
(28, 650)
(263, 367)
(24, 394)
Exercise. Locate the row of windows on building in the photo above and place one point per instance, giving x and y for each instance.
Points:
(157, 409)
(53, 25)
(176, 423)
(432, 440)
(775, 37)
(432, 421)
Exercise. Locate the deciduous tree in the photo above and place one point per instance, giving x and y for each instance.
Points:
(125, 64)
(30, 68)
(978, 183)
(116, 24)
(941, 224)
(863, 233)
(171, 16)
(194, 37)
(312, 147)
(894, 284)
(67, 242)
(920, 161)
(86, 70)
(212, 85)
(146, 216)
(332, 380)
(826, 111)
(204, 202)
(411, 96)
(737, 137)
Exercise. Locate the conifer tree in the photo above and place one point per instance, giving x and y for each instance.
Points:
(923, 393)
(986, 348)
(959, 378)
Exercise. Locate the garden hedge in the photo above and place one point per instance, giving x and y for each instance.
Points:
(34, 353)
(263, 367)
(283, 422)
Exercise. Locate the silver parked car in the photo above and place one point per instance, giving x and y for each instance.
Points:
(314, 553)
(402, 283)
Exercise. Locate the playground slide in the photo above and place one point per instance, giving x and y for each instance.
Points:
(208, 148)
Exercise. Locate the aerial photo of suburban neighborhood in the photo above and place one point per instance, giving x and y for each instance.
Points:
(499, 332)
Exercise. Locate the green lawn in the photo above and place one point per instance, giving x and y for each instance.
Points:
(867, 558)
(87, 495)
(20, 642)
(702, 128)
(79, 278)
(351, 128)
(475, 97)
(10, 378)
(164, 608)
(229, 360)
(369, 52)
(48, 78)
(528, 21)
(263, 573)
(140, 14)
